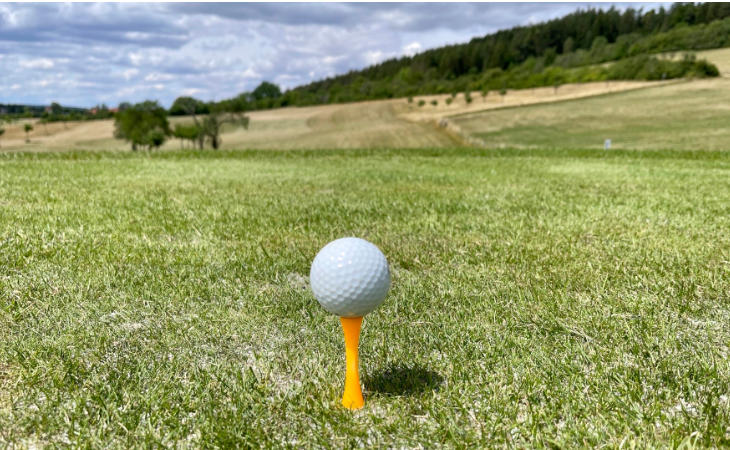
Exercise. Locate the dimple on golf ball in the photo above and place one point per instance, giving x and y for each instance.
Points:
(350, 277)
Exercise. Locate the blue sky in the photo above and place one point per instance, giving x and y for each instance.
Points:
(81, 54)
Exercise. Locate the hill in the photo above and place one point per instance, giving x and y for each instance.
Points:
(684, 115)
(392, 123)
(547, 54)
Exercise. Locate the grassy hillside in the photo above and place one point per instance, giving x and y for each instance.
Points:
(688, 115)
(549, 298)
(377, 124)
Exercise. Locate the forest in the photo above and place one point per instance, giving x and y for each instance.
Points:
(573, 48)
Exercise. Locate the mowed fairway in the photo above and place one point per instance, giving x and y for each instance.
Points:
(543, 298)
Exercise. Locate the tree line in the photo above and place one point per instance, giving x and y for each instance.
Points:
(145, 125)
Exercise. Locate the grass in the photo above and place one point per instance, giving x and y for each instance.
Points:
(642, 119)
(547, 298)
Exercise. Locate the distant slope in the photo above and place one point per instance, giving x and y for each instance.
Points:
(687, 115)
(374, 124)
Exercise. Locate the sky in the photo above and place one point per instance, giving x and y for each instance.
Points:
(83, 54)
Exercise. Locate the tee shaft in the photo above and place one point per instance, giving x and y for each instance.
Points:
(352, 397)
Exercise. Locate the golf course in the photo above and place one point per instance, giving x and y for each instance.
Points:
(561, 297)
(546, 290)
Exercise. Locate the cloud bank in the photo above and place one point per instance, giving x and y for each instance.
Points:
(83, 54)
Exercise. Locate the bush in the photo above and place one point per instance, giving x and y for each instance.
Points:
(434, 102)
(646, 67)
(421, 102)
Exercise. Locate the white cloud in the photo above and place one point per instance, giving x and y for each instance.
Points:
(40, 63)
(373, 56)
(130, 73)
(155, 76)
(412, 48)
(131, 52)
(250, 73)
(135, 59)
(137, 36)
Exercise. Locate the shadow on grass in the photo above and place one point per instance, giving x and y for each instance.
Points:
(402, 380)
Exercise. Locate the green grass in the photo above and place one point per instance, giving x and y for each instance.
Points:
(687, 115)
(547, 298)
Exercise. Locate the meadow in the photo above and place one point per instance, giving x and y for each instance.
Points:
(548, 297)
(689, 115)
(682, 115)
(382, 124)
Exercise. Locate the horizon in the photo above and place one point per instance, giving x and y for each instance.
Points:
(112, 53)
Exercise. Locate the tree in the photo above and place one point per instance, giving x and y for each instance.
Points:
(220, 114)
(213, 123)
(266, 90)
(28, 128)
(56, 109)
(154, 139)
(187, 106)
(2, 131)
(144, 124)
(568, 45)
(187, 133)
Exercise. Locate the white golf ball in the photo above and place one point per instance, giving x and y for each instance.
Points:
(350, 277)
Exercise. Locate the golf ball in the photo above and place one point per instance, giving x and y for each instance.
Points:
(350, 277)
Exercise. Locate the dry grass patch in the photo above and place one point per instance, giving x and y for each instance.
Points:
(690, 115)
